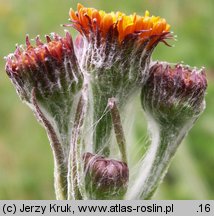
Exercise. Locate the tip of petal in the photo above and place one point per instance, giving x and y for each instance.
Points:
(79, 6)
(147, 13)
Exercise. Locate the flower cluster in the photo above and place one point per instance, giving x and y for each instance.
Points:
(78, 90)
(116, 52)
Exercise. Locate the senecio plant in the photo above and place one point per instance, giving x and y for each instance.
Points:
(78, 90)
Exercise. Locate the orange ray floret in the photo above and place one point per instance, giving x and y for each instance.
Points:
(87, 20)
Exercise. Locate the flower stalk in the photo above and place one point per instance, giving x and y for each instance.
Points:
(118, 129)
(75, 158)
(60, 168)
(154, 166)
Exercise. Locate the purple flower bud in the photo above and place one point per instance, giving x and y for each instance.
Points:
(174, 94)
(105, 178)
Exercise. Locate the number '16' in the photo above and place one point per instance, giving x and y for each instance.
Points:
(204, 208)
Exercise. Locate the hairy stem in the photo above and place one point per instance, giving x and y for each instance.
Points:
(74, 169)
(60, 168)
(103, 125)
(165, 141)
(118, 129)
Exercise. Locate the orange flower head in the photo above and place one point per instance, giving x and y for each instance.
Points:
(89, 21)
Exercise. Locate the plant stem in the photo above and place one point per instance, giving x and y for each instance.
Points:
(60, 168)
(74, 190)
(118, 129)
(103, 125)
(165, 141)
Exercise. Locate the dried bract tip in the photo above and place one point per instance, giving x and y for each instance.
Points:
(173, 94)
(105, 178)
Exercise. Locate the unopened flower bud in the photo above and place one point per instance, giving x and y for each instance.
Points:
(173, 94)
(105, 178)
